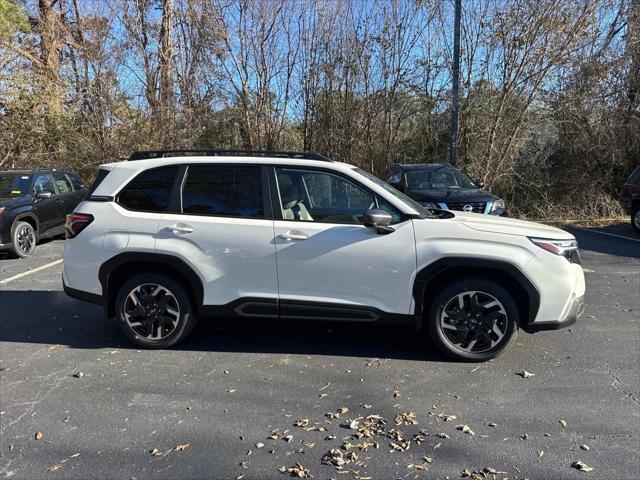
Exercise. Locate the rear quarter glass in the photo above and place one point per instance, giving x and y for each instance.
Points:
(102, 174)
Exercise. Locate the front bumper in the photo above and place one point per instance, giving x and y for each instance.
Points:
(574, 312)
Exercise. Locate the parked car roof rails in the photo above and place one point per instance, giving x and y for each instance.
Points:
(150, 154)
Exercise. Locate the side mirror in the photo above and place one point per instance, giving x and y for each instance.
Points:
(479, 183)
(378, 220)
(44, 195)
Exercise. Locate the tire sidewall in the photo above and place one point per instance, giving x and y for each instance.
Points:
(634, 215)
(443, 296)
(187, 319)
(14, 234)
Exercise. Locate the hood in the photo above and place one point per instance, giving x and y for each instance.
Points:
(510, 226)
(451, 195)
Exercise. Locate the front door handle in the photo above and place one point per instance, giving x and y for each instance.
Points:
(180, 228)
(293, 236)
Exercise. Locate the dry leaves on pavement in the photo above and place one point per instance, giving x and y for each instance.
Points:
(583, 467)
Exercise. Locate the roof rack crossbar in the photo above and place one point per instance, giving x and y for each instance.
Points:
(150, 154)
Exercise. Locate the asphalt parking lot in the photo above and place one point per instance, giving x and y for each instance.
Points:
(207, 409)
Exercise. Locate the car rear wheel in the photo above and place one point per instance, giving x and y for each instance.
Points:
(23, 237)
(154, 311)
(472, 319)
(635, 219)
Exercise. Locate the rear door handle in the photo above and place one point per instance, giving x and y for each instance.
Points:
(293, 236)
(178, 228)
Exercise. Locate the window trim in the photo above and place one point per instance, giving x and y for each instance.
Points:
(116, 197)
(266, 197)
(277, 203)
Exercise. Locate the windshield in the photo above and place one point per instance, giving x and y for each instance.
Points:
(13, 184)
(399, 195)
(437, 178)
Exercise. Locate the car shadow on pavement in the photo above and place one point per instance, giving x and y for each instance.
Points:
(590, 239)
(51, 318)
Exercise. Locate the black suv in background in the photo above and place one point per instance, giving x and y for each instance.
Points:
(440, 185)
(34, 205)
(630, 198)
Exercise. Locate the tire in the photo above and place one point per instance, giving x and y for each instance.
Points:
(635, 218)
(164, 316)
(23, 239)
(485, 305)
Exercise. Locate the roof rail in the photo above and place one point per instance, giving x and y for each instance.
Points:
(150, 154)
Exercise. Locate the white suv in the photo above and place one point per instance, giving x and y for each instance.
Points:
(169, 237)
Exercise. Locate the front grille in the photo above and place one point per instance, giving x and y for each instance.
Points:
(573, 256)
(476, 207)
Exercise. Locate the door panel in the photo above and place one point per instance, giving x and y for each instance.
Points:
(235, 257)
(46, 209)
(65, 195)
(346, 264)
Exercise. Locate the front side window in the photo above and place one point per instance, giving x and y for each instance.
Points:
(150, 191)
(229, 191)
(62, 183)
(43, 184)
(317, 196)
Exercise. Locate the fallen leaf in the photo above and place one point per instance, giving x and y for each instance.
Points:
(54, 468)
(180, 447)
(231, 390)
(154, 452)
(563, 424)
(585, 447)
(299, 471)
(353, 425)
(77, 374)
(493, 471)
(525, 374)
(244, 464)
(240, 477)
(38, 435)
(540, 453)
(75, 455)
(492, 424)
(583, 467)
(259, 445)
(396, 394)
(226, 372)
(288, 438)
(282, 469)
(465, 429)
(443, 435)
(406, 418)
(301, 422)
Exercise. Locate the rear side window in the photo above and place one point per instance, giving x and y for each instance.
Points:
(62, 183)
(230, 191)
(150, 191)
(102, 174)
(75, 181)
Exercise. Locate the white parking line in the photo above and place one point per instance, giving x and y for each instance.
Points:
(610, 234)
(29, 272)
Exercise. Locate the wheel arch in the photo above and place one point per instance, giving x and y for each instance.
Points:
(28, 217)
(117, 269)
(508, 276)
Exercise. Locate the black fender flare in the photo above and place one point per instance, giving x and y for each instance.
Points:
(27, 214)
(430, 272)
(160, 260)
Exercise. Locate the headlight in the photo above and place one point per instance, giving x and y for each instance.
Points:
(557, 247)
(1, 210)
(498, 204)
(429, 205)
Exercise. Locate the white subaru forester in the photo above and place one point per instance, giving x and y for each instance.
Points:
(172, 236)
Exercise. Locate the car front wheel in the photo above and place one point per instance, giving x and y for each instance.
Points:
(635, 219)
(23, 237)
(472, 319)
(154, 311)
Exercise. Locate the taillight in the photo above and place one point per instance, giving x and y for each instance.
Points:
(76, 223)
